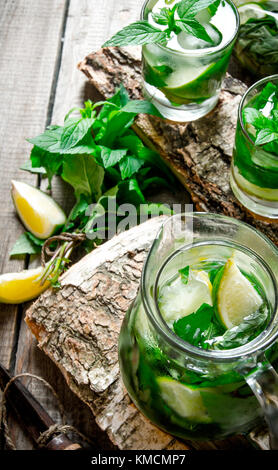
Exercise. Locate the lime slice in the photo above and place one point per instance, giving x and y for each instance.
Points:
(197, 89)
(250, 10)
(184, 400)
(38, 212)
(20, 287)
(267, 194)
(236, 297)
(176, 300)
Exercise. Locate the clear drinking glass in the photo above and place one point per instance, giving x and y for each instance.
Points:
(188, 391)
(183, 79)
(254, 171)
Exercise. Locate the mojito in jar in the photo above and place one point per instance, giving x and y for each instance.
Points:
(182, 341)
(182, 75)
(254, 173)
(257, 45)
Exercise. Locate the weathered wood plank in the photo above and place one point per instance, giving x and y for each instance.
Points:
(88, 23)
(30, 34)
(199, 153)
(28, 42)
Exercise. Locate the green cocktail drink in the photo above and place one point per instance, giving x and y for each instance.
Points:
(254, 175)
(257, 44)
(211, 303)
(183, 75)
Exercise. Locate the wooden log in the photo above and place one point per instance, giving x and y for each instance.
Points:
(78, 328)
(199, 153)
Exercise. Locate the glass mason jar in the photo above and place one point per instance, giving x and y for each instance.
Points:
(184, 84)
(254, 171)
(187, 391)
(257, 42)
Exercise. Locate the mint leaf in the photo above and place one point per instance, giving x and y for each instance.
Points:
(24, 246)
(110, 157)
(49, 140)
(51, 162)
(265, 136)
(189, 8)
(162, 17)
(141, 107)
(130, 191)
(192, 327)
(84, 175)
(74, 130)
(138, 33)
(27, 166)
(245, 332)
(130, 165)
(184, 272)
(194, 28)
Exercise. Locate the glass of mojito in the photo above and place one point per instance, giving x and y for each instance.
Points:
(256, 47)
(254, 172)
(182, 74)
(196, 346)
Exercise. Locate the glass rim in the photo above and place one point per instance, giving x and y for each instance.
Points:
(241, 105)
(205, 51)
(225, 355)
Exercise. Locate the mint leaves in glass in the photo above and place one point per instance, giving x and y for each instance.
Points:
(207, 305)
(186, 46)
(257, 44)
(254, 175)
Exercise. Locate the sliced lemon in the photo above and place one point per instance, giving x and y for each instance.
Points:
(176, 300)
(250, 10)
(40, 214)
(236, 297)
(184, 400)
(16, 288)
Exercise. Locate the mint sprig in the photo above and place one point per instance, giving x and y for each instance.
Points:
(266, 127)
(141, 32)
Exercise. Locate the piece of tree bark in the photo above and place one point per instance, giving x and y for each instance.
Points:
(78, 328)
(199, 153)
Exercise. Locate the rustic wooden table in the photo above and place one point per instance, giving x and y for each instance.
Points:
(41, 42)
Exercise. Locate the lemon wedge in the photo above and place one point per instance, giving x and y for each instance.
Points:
(184, 400)
(236, 297)
(40, 214)
(177, 300)
(16, 288)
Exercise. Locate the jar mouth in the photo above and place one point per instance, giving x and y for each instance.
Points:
(205, 51)
(264, 340)
(263, 81)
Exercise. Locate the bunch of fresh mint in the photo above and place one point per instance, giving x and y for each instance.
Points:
(181, 17)
(103, 159)
(266, 127)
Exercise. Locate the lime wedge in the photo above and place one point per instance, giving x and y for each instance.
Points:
(184, 400)
(267, 194)
(236, 297)
(176, 300)
(250, 10)
(199, 88)
(20, 287)
(38, 212)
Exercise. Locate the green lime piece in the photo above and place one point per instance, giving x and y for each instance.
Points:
(199, 89)
(184, 400)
